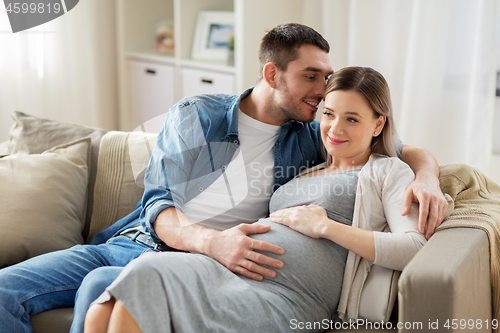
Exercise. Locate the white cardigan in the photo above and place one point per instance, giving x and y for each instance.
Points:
(378, 207)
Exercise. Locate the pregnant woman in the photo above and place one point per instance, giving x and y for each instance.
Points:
(332, 221)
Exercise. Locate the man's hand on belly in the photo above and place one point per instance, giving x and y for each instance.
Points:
(235, 250)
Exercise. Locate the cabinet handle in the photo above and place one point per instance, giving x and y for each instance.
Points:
(151, 71)
(207, 81)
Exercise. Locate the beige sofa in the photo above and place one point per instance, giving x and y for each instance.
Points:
(448, 279)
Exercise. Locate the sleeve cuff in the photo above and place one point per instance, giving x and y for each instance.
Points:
(152, 213)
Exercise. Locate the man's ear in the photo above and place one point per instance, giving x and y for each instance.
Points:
(269, 74)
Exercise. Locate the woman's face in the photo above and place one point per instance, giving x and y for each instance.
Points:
(348, 126)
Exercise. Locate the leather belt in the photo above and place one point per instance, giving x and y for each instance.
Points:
(138, 235)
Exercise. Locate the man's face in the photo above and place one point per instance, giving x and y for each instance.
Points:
(300, 88)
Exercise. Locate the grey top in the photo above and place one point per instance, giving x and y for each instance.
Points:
(335, 192)
(313, 267)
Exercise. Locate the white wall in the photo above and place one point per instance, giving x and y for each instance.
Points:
(496, 133)
(495, 161)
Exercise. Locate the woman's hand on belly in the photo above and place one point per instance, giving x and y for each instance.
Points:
(309, 220)
(312, 221)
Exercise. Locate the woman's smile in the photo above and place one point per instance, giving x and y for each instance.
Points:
(334, 141)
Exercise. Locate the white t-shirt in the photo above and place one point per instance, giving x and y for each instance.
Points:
(242, 193)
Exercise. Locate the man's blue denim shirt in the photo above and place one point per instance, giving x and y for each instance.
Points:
(197, 142)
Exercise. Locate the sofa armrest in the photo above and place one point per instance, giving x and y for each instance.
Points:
(448, 279)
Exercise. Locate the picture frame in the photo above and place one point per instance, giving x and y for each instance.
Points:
(214, 30)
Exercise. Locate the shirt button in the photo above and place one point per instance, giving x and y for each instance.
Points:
(223, 167)
(201, 189)
(228, 137)
(235, 142)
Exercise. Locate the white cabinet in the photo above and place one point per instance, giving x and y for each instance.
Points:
(151, 88)
(198, 81)
(136, 26)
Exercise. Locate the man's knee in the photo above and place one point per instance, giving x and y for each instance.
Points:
(98, 280)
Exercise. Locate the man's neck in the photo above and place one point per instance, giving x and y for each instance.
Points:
(259, 105)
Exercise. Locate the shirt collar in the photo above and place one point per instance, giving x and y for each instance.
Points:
(232, 115)
(297, 125)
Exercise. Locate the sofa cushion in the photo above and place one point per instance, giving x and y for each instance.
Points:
(33, 135)
(43, 201)
(53, 321)
(123, 159)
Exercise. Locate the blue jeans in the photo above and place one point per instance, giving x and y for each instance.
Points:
(52, 280)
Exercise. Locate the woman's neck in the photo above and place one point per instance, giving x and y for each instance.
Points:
(340, 164)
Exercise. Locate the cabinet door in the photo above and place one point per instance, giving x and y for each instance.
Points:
(151, 93)
(197, 82)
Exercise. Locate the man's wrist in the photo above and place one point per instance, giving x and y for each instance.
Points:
(207, 237)
(427, 176)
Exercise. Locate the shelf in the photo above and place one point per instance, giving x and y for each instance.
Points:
(152, 56)
(208, 65)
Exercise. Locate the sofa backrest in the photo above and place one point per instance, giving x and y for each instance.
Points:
(123, 159)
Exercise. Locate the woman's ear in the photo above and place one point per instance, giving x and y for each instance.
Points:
(269, 74)
(380, 125)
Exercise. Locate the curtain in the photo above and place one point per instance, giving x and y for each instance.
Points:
(439, 58)
(64, 69)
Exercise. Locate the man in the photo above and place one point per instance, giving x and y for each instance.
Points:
(207, 144)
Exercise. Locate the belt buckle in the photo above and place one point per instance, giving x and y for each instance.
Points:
(157, 247)
(134, 238)
(137, 228)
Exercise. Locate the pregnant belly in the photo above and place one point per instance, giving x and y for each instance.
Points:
(313, 267)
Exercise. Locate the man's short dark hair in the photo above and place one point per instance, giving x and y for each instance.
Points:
(280, 45)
